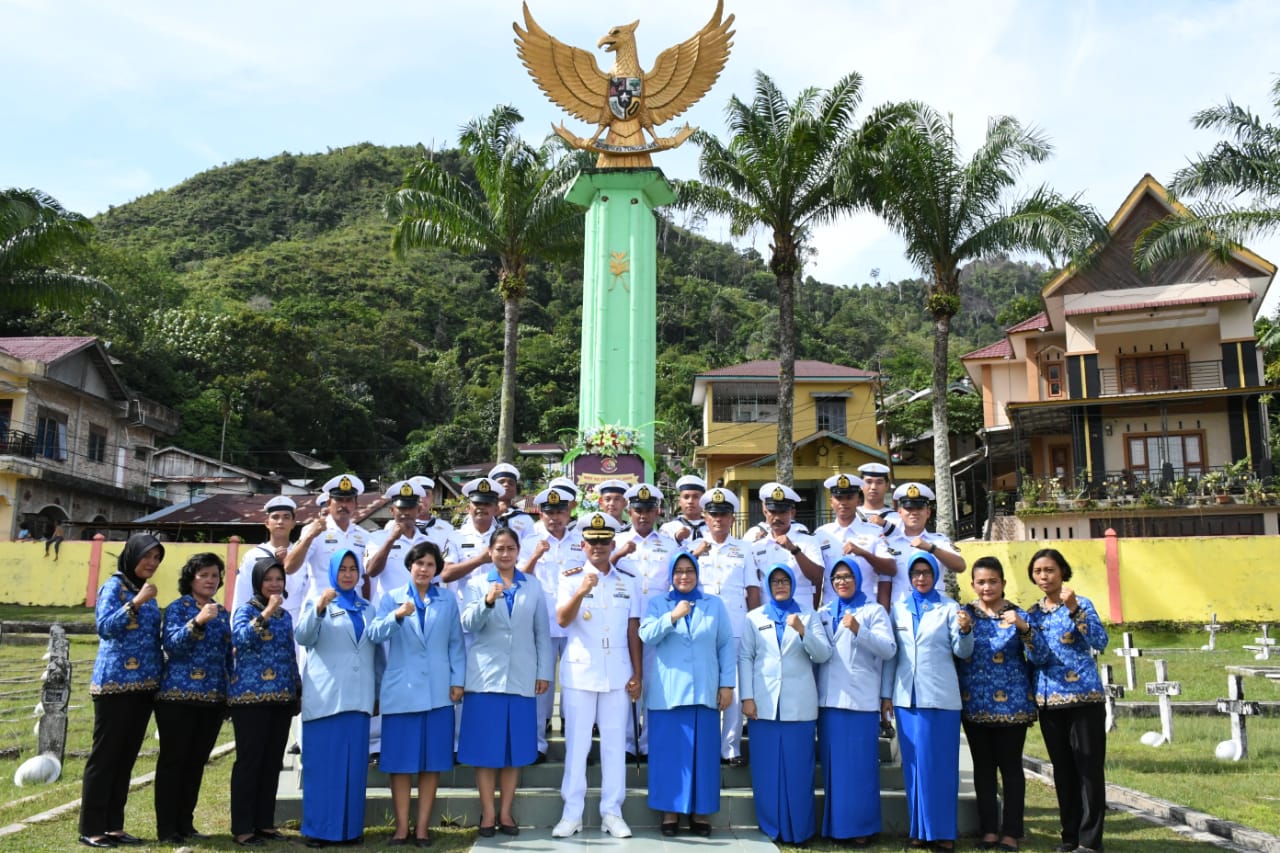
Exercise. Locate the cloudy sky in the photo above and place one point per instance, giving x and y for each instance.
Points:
(109, 101)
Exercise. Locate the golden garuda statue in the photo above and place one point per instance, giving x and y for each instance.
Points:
(626, 101)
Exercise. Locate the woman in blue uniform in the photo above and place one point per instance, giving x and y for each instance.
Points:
(126, 674)
(509, 662)
(192, 700)
(921, 684)
(995, 690)
(337, 698)
(422, 680)
(691, 682)
(1070, 697)
(849, 707)
(263, 695)
(780, 644)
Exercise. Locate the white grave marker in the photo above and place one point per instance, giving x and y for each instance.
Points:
(1213, 628)
(1130, 654)
(1263, 644)
(1240, 710)
(1111, 693)
(1165, 689)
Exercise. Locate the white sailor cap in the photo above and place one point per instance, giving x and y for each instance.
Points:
(280, 502)
(691, 481)
(344, 486)
(618, 486)
(873, 469)
(428, 484)
(719, 500)
(565, 485)
(405, 493)
(913, 495)
(322, 499)
(598, 526)
(552, 497)
(778, 496)
(482, 490)
(504, 469)
(843, 484)
(644, 496)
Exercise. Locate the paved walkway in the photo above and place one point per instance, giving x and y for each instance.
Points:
(734, 840)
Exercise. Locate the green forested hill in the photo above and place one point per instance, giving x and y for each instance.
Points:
(263, 295)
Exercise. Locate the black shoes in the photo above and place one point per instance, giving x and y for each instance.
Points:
(125, 838)
(103, 841)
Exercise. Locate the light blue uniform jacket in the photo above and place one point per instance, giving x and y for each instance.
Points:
(509, 652)
(340, 673)
(925, 661)
(691, 661)
(851, 678)
(781, 680)
(422, 663)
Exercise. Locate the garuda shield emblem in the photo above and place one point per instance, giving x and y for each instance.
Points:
(624, 96)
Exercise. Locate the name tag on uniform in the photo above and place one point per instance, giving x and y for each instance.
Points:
(766, 627)
(468, 544)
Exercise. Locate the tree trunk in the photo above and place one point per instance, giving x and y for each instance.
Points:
(507, 402)
(786, 377)
(941, 433)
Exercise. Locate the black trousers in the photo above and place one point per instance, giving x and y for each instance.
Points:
(119, 725)
(998, 748)
(1076, 739)
(262, 732)
(188, 731)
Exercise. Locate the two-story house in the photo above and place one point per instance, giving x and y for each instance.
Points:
(75, 443)
(1130, 383)
(833, 423)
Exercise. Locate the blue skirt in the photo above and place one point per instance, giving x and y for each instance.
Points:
(418, 742)
(930, 742)
(334, 768)
(685, 777)
(782, 768)
(498, 730)
(849, 751)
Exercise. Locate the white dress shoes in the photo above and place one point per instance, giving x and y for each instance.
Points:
(615, 826)
(566, 828)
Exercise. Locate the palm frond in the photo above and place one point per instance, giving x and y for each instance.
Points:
(1212, 228)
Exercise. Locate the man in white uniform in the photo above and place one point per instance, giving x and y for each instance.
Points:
(471, 540)
(328, 534)
(599, 608)
(280, 520)
(689, 525)
(785, 544)
(861, 540)
(875, 490)
(510, 505)
(612, 495)
(430, 525)
(384, 558)
(556, 549)
(726, 568)
(644, 552)
(913, 501)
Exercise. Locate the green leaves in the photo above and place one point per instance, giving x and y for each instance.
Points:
(38, 236)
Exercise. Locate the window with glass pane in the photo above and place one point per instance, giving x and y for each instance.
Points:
(831, 414)
(51, 435)
(745, 403)
(1163, 372)
(1184, 452)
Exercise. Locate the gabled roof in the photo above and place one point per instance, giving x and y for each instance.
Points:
(766, 370)
(873, 452)
(1000, 349)
(1038, 323)
(48, 350)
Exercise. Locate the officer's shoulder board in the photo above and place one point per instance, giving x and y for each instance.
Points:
(573, 571)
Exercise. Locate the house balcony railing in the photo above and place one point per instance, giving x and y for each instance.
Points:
(17, 443)
(1194, 376)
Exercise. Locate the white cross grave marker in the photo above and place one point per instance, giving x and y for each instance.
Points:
(1165, 689)
(1129, 653)
(1240, 710)
(1111, 692)
(1263, 644)
(1213, 628)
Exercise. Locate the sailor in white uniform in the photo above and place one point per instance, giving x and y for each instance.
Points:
(689, 526)
(914, 508)
(384, 556)
(334, 531)
(859, 540)
(280, 518)
(429, 524)
(510, 505)
(875, 491)
(786, 544)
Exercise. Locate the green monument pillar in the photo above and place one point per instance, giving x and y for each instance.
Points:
(619, 296)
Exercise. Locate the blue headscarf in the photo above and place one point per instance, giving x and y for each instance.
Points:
(859, 598)
(919, 602)
(777, 611)
(348, 599)
(673, 594)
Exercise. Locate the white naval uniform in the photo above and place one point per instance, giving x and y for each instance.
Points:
(900, 549)
(519, 521)
(295, 585)
(566, 553)
(767, 553)
(760, 530)
(594, 673)
(697, 530)
(892, 521)
(650, 563)
(866, 535)
(394, 574)
(437, 530)
(726, 571)
(322, 549)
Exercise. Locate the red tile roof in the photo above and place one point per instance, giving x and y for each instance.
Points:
(1000, 349)
(1162, 303)
(766, 368)
(1031, 324)
(43, 349)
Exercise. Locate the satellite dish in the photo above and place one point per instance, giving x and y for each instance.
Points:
(308, 462)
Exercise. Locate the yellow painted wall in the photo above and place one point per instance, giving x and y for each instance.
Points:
(28, 577)
(1088, 570)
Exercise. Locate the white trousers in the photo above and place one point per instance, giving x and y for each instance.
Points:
(610, 712)
(731, 721)
(546, 702)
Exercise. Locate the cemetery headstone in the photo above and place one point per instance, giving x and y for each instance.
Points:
(1112, 692)
(1166, 690)
(1238, 747)
(51, 728)
(1263, 645)
(1130, 655)
(1213, 628)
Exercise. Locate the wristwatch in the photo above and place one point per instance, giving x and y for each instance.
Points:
(795, 549)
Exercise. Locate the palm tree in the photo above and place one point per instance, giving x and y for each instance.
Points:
(779, 171)
(949, 211)
(1245, 164)
(35, 234)
(516, 213)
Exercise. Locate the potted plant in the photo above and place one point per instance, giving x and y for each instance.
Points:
(1215, 483)
(1179, 490)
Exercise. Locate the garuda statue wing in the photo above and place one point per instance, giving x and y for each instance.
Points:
(683, 74)
(567, 75)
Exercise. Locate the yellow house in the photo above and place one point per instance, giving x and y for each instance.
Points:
(834, 425)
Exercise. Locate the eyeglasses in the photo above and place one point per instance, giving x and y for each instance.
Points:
(842, 578)
(921, 573)
(779, 581)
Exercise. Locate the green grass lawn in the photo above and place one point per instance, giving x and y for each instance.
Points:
(1202, 673)
(32, 613)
